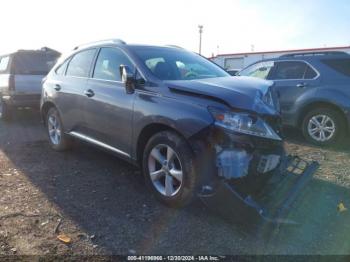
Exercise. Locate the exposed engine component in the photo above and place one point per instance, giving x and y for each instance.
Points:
(268, 163)
(233, 163)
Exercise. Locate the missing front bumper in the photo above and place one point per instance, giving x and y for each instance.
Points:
(274, 201)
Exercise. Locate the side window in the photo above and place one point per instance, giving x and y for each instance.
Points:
(309, 73)
(108, 63)
(80, 64)
(152, 62)
(261, 70)
(4, 61)
(62, 68)
(290, 70)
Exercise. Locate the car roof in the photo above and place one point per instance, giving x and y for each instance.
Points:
(123, 44)
(309, 56)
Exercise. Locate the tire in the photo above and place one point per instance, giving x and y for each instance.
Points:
(168, 185)
(333, 127)
(58, 140)
(6, 111)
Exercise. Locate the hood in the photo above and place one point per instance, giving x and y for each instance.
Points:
(243, 93)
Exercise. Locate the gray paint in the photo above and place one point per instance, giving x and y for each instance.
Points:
(114, 118)
(329, 86)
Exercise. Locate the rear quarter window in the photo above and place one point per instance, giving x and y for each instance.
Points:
(61, 70)
(340, 65)
(80, 64)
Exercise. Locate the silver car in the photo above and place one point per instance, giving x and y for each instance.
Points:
(21, 74)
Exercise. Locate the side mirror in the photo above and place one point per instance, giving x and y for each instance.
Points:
(128, 79)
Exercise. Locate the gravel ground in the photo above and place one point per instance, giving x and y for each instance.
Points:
(102, 205)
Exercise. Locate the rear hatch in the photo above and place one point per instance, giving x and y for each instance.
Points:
(29, 68)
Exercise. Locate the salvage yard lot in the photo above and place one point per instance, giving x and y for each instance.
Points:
(104, 207)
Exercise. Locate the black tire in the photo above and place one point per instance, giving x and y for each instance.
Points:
(64, 142)
(6, 111)
(336, 118)
(185, 193)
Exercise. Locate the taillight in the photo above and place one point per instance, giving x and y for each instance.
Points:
(12, 83)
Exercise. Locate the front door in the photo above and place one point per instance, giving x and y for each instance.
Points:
(108, 108)
(292, 79)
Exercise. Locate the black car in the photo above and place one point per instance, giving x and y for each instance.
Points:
(178, 116)
(314, 91)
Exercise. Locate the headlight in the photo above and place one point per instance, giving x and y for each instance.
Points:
(243, 123)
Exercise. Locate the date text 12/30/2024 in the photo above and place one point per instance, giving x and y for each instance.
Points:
(175, 258)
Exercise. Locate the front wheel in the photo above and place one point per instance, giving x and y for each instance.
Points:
(168, 169)
(59, 141)
(323, 126)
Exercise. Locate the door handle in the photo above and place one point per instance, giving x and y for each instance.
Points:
(57, 87)
(301, 85)
(89, 93)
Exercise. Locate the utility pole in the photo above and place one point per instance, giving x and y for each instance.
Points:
(200, 38)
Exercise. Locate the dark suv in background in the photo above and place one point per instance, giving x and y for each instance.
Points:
(185, 121)
(314, 92)
(21, 74)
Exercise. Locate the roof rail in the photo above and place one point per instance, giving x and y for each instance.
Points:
(175, 46)
(315, 53)
(107, 41)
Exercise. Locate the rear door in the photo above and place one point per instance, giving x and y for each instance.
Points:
(292, 79)
(69, 85)
(108, 108)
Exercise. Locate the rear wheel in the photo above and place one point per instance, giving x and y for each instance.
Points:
(59, 141)
(6, 111)
(168, 169)
(323, 126)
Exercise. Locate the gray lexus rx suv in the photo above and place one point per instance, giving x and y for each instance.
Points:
(314, 92)
(182, 119)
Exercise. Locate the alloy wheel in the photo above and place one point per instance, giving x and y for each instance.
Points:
(54, 128)
(321, 128)
(165, 170)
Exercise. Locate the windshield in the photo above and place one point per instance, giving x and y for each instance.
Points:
(175, 64)
(38, 63)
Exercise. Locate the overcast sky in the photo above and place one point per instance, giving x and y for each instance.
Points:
(229, 25)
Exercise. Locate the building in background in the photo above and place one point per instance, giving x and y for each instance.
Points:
(240, 60)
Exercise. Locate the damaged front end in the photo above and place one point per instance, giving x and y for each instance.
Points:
(246, 174)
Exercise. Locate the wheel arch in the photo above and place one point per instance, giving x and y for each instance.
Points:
(317, 104)
(146, 133)
(45, 109)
